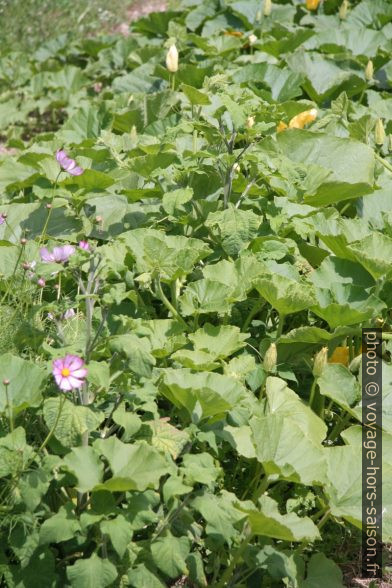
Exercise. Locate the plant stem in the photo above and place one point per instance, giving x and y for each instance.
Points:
(339, 426)
(324, 519)
(52, 430)
(280, 325)
(312, 393)
(168, 305)
(43, 233)
(11, 281)
(223, 583)
(9, 406)
(383, 161)
(252, 313)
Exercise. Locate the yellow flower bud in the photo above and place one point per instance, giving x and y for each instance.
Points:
(281, 127)
(252, 39)
(343, 9)
(133, 133)
(303, 118)
(250, 121)
(172, 59)
(320, 361)
(267, 7)
(312, 4)
(270, 358)
(379, 132)
(236, 168)
(369, 70)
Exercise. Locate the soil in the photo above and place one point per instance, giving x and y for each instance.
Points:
(137, 10)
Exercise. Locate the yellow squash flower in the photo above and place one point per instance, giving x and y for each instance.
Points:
(303, 118)
(281, 127)
(312, 4)
(340, 355)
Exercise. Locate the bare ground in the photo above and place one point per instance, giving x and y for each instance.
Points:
(138, 9)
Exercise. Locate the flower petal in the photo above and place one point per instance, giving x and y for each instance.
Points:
(75, 363)
(81, 373)
(66, 384)
(76, 171)
(46, 255)
(61, 155)
(74, 382)
(67, 251)
(58, 364)
(68, 359)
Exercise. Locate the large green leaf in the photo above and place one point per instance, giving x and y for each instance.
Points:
(92, 572)
(236, 228)
(287, 296)
(285, 449)
(169, 555)
(268, 522)
(72, 422)
(25, 382)
(350, 164)
(84, 463)
(60, 527)
(134, 467)
(204, 394)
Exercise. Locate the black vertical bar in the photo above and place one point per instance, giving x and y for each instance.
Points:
(372, 453)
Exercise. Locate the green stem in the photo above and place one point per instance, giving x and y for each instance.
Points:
(52, 430)
(194, 141)
(324, 519)
(312, 393)
(173, 82)
(223, 583)
(345, 207)
(255, 310)
(259, 491)
(383, 161)
(9, 406)
(11, 281)
(168, 305)
(43, 233)
(339, 426)
(280, 325)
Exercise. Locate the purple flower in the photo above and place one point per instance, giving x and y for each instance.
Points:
(68, 164)
(69, 372)
(2, 219)
(68, 314)
(84, 245)
(41, 282)
(58, 255)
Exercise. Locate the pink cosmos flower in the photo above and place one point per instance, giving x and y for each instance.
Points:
(69, 372)
(69, 165)
(84, 245)
(58, 255)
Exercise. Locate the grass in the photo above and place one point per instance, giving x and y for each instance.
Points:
(26, 24)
